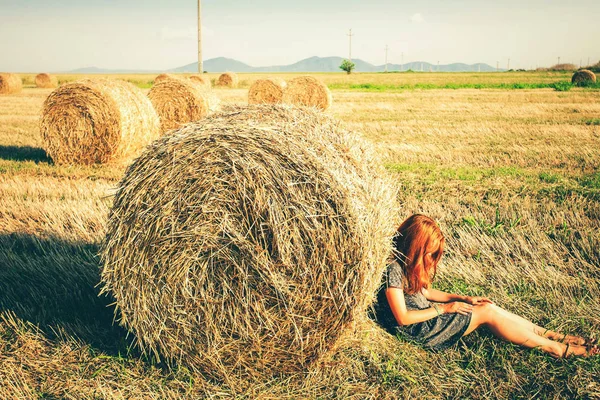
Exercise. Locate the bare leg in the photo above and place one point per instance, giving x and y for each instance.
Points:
(516, 331)
(541, 331)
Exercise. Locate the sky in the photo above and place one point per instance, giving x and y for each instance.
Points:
(61, 35)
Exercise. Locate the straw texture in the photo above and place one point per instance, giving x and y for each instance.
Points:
(247, 245)
(583, 76)
(47, 81)
(10, 83)
(179, 101)
(202, 79)
(228, 79)
(307, 91)
(164, 77)
(266, 91)
(97, 121)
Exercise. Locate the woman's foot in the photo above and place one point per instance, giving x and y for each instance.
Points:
(571, 339)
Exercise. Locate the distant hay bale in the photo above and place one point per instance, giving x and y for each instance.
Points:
(228, 79)
(202, 79)
(47, 81)
(179, 101)
(97, 121)
(246, 245)
(266, 91)
(582, 77)
(164, 77)
(307, 91)
(10, 83)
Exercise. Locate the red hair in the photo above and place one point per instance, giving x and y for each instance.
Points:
(418, 248)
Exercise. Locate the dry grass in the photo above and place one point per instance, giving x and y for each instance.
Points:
(266, 91)
(97, 121)
(10, 83)
(179, 101)
(512, 176)
(46, 81)
(307, 91)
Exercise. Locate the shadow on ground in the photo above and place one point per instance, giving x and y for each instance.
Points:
(53, 283)
(23, 153)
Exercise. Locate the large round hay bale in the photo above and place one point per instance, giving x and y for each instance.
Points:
(10, 83)
(266, 91)
(164, 77)
(202, 79)
(583, 77)
(228, 79)
(307, 91)
(47, 81)
(97, 121)
(179, 101)
(246, 245)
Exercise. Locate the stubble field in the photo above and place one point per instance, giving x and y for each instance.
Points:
(511, 175)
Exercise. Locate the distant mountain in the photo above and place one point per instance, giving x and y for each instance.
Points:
(329, 64)
(312, 64)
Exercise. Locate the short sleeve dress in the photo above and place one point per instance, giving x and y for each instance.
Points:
(437, 333)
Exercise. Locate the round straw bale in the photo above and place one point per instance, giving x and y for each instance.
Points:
(44, 80)
(266, 91)
(582, 77)
(307, 91)
(97, 121)
(229, 79)
(179, 101)
(244, 246)
(10, 83)
(164, 77)
(204, 80)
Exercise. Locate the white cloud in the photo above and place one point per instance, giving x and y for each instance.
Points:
(187, 33)
(417, 18)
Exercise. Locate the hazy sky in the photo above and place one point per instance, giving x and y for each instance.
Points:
(59, 35)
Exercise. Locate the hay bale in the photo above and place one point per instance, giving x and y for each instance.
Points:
(307, 91)
(228, 79)
(44, 80)
(266, 91)
(202, 79)
(97, 121)
(164, 77)
(582, 77)
(246, 245)
(10, 83)
(179, 101)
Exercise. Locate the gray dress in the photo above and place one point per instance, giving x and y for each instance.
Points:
(437, 333)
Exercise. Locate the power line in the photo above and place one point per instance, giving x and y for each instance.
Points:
(350, 45)
(200, 64)
(386, 59)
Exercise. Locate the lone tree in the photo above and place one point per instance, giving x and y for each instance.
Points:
(347, 66)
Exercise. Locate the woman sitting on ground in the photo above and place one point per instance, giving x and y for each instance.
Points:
(436, 319)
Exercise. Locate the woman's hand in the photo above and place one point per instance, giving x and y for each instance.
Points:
(477, 300)
(457, 307)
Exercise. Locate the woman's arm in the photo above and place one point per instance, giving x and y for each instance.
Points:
(395, 298)
(443, 297)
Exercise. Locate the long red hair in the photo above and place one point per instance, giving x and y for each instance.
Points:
(418, 247)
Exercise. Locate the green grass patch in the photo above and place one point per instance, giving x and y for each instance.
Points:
(372, 87)
(548, 177)
(592, 121)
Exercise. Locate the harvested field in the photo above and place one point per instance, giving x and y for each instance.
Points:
(510, 175)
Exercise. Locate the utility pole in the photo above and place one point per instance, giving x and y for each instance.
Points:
(497, 66)
(350, 45)
(508, 65)
(402, 62)
(386, 62)
(438, 69)
(200, 64)
(559, 60)
(479, 67)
